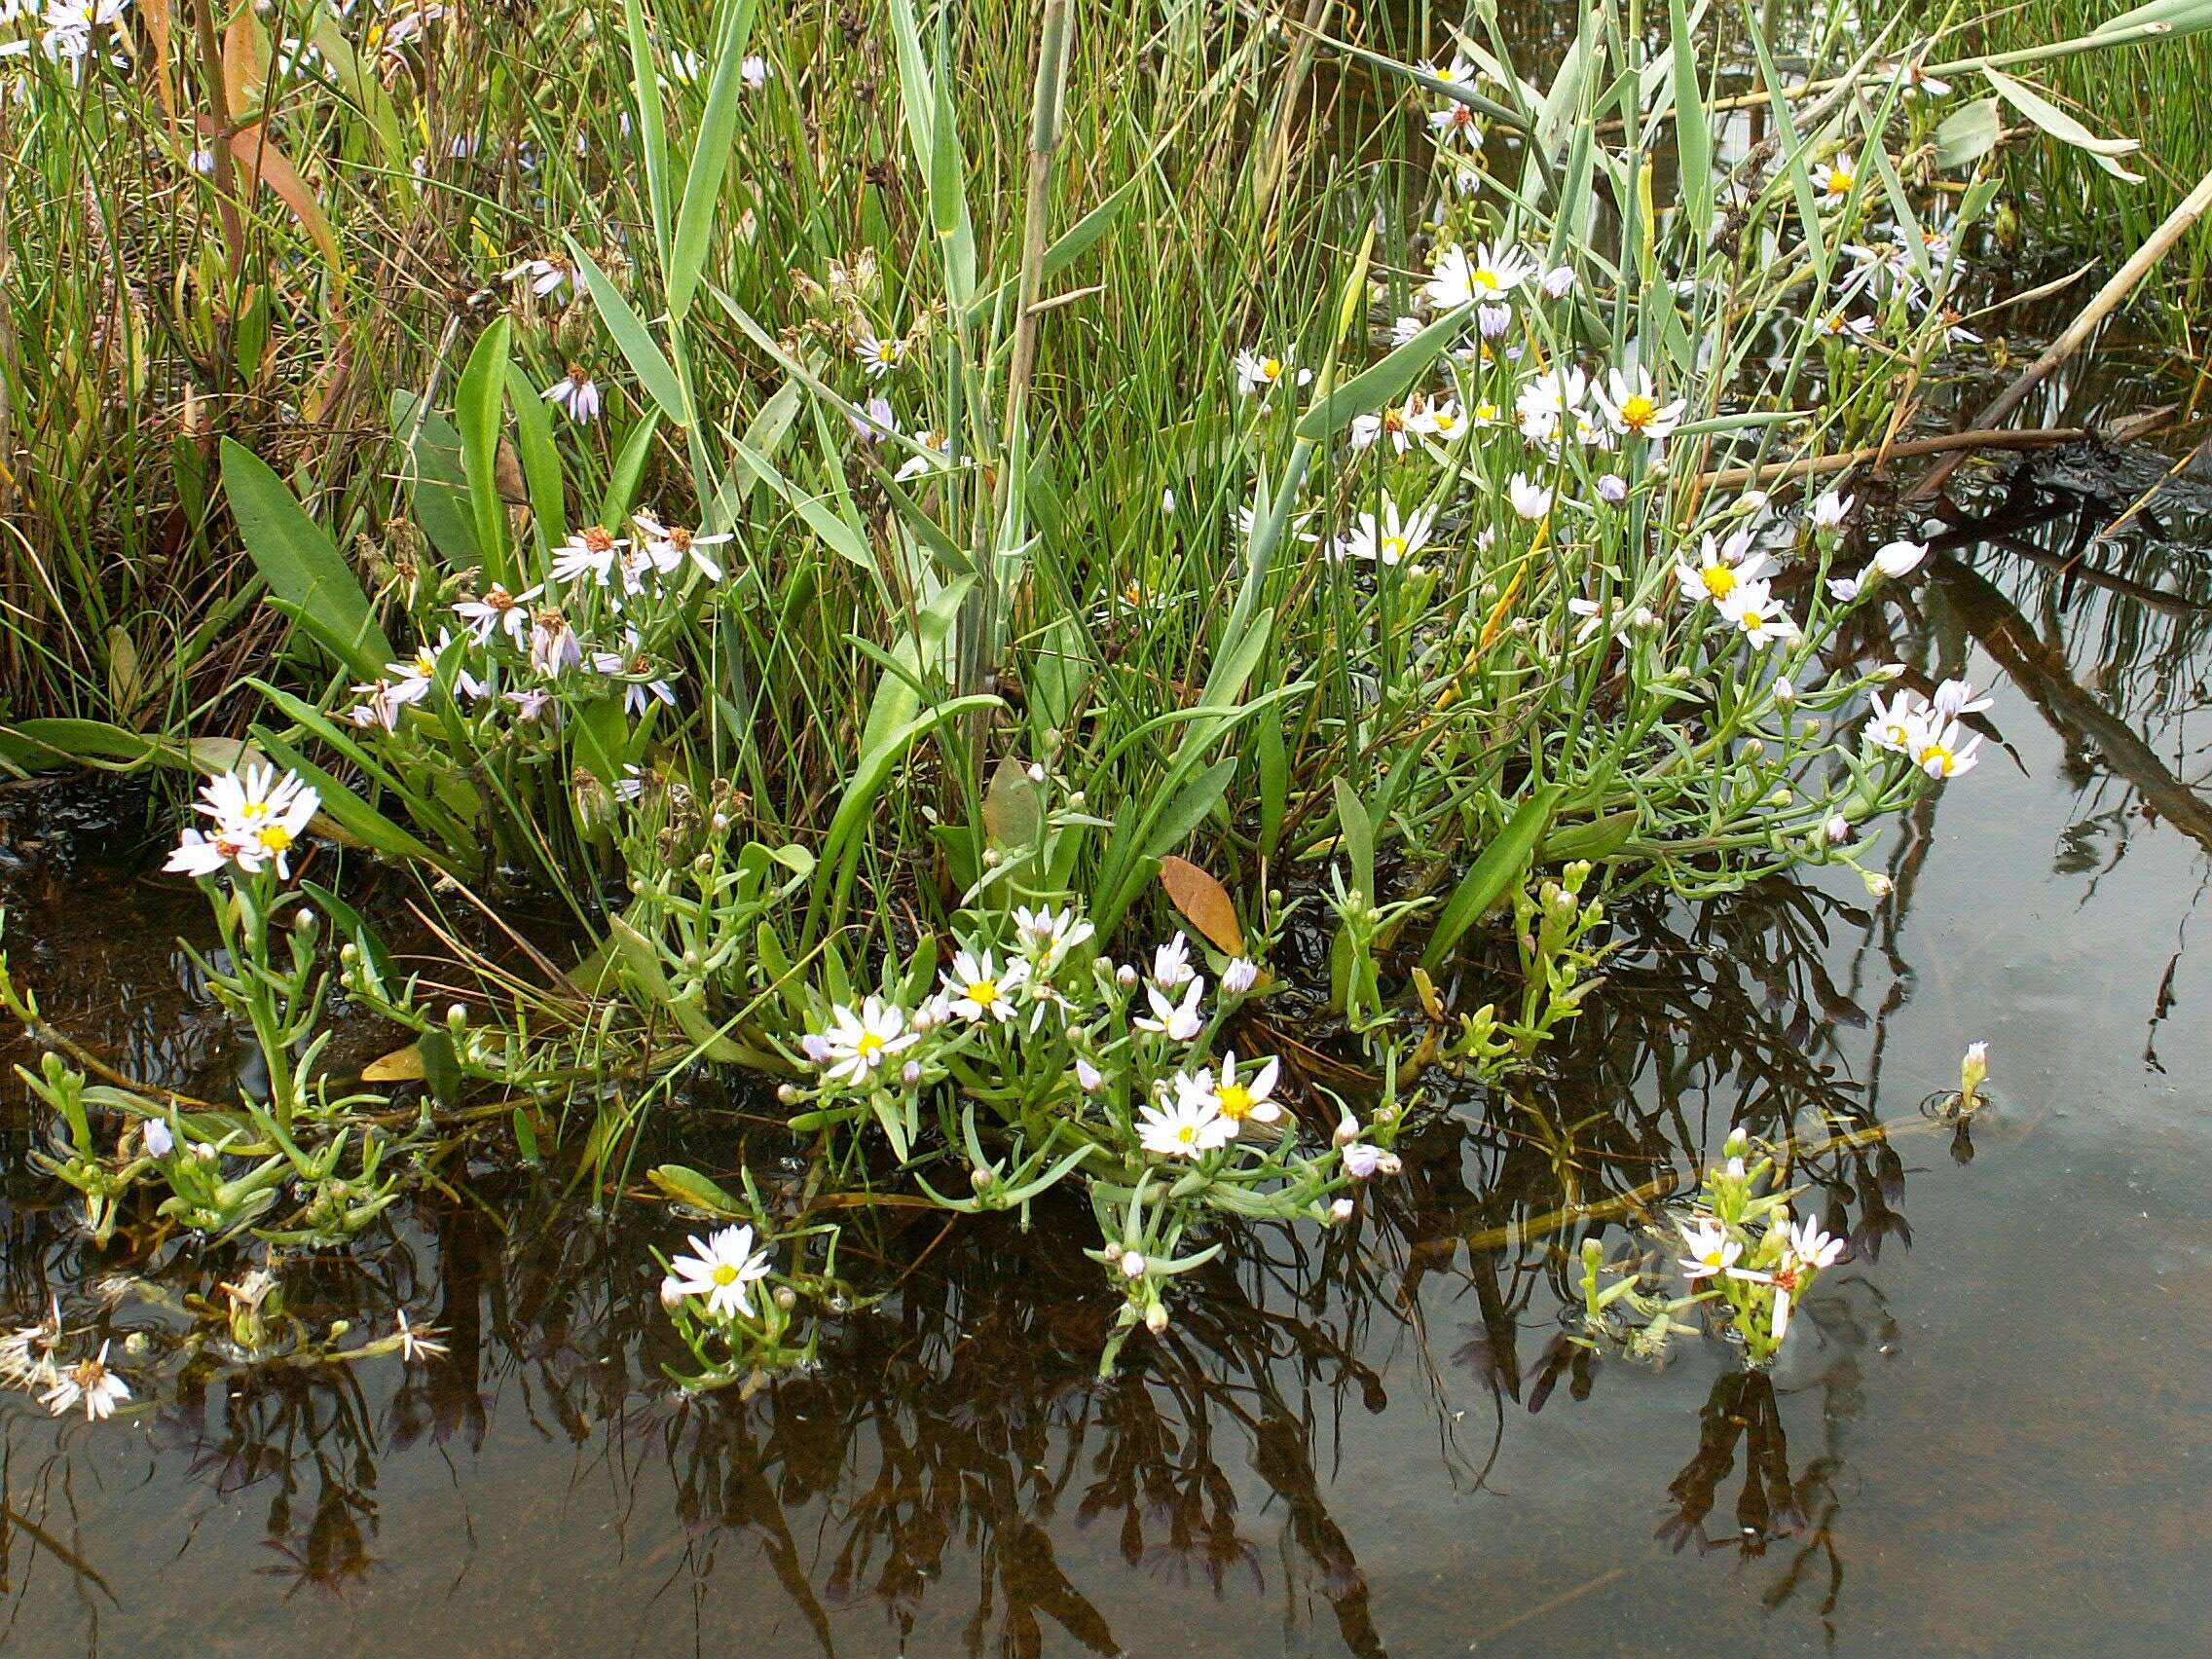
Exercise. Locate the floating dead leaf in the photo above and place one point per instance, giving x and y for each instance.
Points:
(1204, 903)
(401, 1065)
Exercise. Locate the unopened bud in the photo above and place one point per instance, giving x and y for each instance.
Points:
(786, 1298)
(1156, 1318)
(1340, 1212)
(670, 1293)
(1125, 975)
(1036, 773)
(1132, 1264)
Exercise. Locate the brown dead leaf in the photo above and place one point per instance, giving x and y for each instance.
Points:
(265, 164)
(1204, 901)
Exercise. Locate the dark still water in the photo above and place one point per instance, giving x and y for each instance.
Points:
(1989, 1433)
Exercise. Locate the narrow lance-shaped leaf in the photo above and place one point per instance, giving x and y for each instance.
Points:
(298, 561)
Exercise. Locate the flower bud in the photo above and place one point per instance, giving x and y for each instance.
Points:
(1878, 884)
(1156, 1318)
(1348, 1129)
(982, 1180)
(787, 1094)
(786, 1298)
(1839, 830)
(1132, 1264)
(160, 1143)
(670, 1293)
(910, 1074)
(203, 1152)
(1784, 694)
(1241, 975)
(1088, 1076)
(456, 1016)
(1125, 975)
(815, 1047)
(1036, 773)
(1340, 1212)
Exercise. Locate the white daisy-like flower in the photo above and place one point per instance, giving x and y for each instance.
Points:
(1955, 697)
(1836, 180)
(1238, 1098)
(1942, 749)
(1172, 963)
(877, 356)
(1755, 614)
(1052, 934)
(1440, 419)
(1389, 422)
(668, 545)
(590, 552)
(497, 612)
(259, 811)
(754, 71)
(1178, 1019)
(723, 1265)
(554, 648)
(979, 989)
(1493, 271)
(1722, 567)
(576, 394)
(542, 275)
(1550, 401)
(1900, 558)
(1239, 977)
(88, 1384)
(1829, 510)
(1403, 329)
(1185, 1126)
(1527, 497)
(937, 451)
(635, 666)
(1892, 724)
(1387, 540)
(1258, 374)
(1712, 1252)
(858, 1043)
(1632, 405)
(197, 854)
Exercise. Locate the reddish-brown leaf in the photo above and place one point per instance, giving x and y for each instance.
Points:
(1204, 903)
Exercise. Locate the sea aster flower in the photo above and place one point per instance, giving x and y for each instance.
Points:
(1187, 1125)
(722, 1266)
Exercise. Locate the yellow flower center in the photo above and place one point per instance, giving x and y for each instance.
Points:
(1638, 412)
(275, 836)
(1719, 580)
(1840, 182)
(1486, 410)
(254, 809)
(984, 992)
(1751, 620)
(1485, 279)
(869, 1044)
(1392, 548)
(1187, 1135)
(1271, 368)
(725, 1273)
(1235, 1101)
(1446, 422)
(1937, 753)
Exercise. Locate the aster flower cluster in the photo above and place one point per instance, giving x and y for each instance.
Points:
(597, 625)
(31, 1358)
(1747, 1255)
(1072, 1063)
(255, 820)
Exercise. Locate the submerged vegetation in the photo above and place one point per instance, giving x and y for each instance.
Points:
(986, 587)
